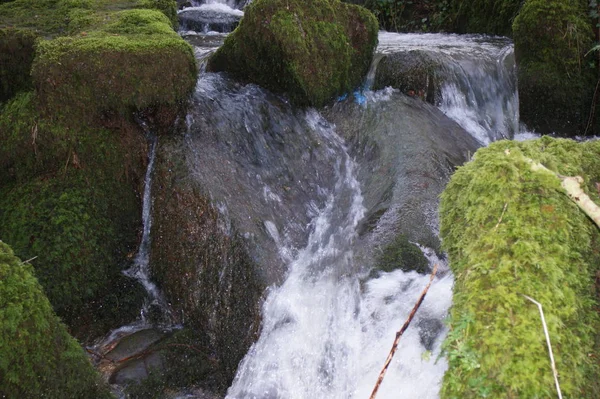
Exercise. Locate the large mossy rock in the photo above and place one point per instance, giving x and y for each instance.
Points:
(72, 156)
(38, 358)
(511, 231)
(68, 197)
(311, 50)
(556, 84)
(132, 63)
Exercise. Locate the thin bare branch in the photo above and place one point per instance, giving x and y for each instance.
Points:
(402, 330)
(539, 305)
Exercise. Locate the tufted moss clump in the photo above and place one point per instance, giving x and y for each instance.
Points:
(132, 63)
(511, 231)
(404, 255)
(68, 196)
(38, 358)
(556, 84)
(311, 50)
(16, 56)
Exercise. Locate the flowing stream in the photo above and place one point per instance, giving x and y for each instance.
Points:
(327, 329)
(317, 196)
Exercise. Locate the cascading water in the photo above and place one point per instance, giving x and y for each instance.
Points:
(328, 321)
(140, 270)
(477, 75)
(326, 332)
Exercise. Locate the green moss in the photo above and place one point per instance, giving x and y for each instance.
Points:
(167, 7)
(402, 254)
(109, 70)
(310, 50)
(555, 82)
(68, 196)
(511, 231)
(53, 18)
(16, 56)
(38, 358)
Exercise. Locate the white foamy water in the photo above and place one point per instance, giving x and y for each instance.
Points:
(219, 7)
(326, 332)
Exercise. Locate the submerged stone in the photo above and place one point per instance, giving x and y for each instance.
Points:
(404, 255)
(413, 72)
(311, 50)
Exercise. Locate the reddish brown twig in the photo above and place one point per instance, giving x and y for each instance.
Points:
(399, 333)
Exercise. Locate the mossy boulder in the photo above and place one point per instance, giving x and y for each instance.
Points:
(311, 50)
(38, 358)
(511, 231)
(556, 84)
(133, 63)
(16, 57)
(68, 197)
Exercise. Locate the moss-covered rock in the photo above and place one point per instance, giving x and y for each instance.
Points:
(555, 81)
(38, 358)
(71, 156)
(134, 62)
(68, 196)
(16, 56)
(511, 231)
(402, 254)
(312, 50)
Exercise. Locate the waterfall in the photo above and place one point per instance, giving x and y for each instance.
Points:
(477, 75)
(327, 329)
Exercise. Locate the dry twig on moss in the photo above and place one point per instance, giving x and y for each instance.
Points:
(539, 305)
(402, 330)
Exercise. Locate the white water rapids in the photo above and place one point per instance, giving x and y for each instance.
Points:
(326, 332)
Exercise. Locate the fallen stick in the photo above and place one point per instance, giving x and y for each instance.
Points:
(402, 330)
(572, 187)
(539, 305)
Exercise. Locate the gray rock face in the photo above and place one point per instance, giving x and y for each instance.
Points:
(406, 151)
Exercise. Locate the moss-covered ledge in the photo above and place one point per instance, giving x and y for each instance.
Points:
(511, 231)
